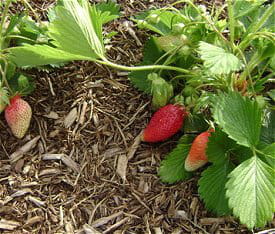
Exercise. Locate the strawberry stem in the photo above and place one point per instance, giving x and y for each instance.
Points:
(142, 68)
(2, 22)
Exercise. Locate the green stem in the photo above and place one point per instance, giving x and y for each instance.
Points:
(2, 22)
(20, 37)
(3, 73)
(254, 61)
(231, 20)
(141, 68)
(243, 75)
(266, 35)
(169, 58)
(164, 55)
(264, 18)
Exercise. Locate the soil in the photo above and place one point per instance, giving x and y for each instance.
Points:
(84, 170)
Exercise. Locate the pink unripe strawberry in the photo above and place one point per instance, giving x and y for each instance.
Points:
(167, 121)
(18, 116)
(197, 155)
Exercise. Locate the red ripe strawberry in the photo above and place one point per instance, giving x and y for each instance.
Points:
(165, 123)
(18, 116)
(197, 156)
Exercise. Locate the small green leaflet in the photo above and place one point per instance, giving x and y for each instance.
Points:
(218, 147)
(239, 117)
(250, 191)
(172, 167)
(212, 188)
(217, 60)
(21, 84)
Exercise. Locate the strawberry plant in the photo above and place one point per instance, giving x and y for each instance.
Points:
(219, 68)
(15, 30)
(227, 59)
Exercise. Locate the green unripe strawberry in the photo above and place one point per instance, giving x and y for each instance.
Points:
(188, 101)
(153, 18)
(188, 91)
(171, 42)
(142, 24)
(185, 50)
(178, 28)
(18, 116)
(161, 90)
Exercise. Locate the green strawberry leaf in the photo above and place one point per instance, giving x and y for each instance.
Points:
(243, 8)
(40, 55)
(73, 30)
(242, 154)
(195, 124)
(219, 147)
(212, 188)
(11, 68)
(151, 51)
(217, 60)
(250, 190)
(172, 167)
(268, 128)
(239, 117)
(269, 154)
(76, 31)
(14, 21)
(272, 65)
(139, 79)
(108, 11)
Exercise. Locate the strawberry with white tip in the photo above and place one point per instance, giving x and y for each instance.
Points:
(197, 155)
(18, 116)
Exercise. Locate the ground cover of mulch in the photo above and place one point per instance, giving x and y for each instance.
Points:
(84, 170)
